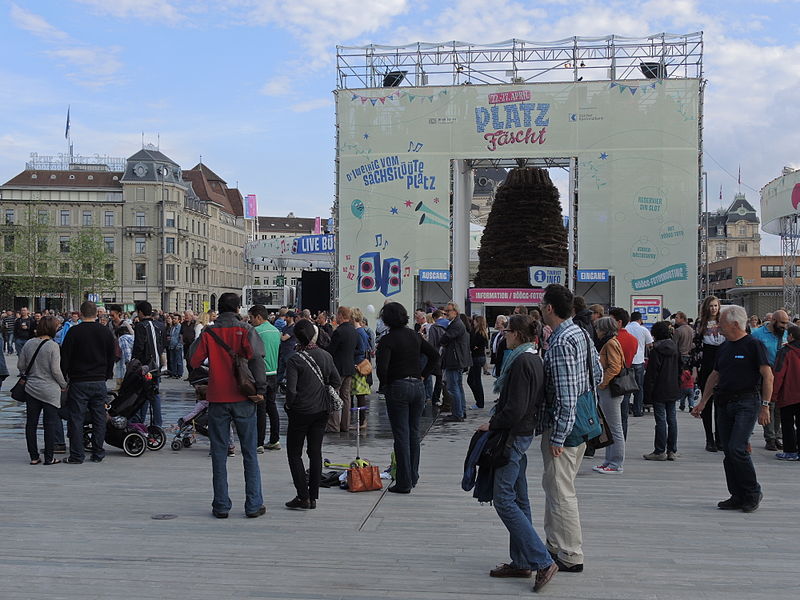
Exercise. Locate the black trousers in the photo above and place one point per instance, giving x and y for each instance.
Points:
(34, 408)
(309, 429)
(474, 379)
(268, 409)
(790, 423)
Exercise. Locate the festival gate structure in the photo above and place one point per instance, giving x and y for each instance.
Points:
(623, 115)
(780, 214)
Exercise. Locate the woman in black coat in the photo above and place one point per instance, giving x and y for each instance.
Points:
(308, 373)
(662, 385)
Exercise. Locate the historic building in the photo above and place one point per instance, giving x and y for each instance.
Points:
(278, 272)
(733, 231)
(172, 237)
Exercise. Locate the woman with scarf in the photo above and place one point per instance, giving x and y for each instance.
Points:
(308, 373)
(612, 360)
(521, 388)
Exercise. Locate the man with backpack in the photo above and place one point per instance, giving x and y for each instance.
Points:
(148, 345)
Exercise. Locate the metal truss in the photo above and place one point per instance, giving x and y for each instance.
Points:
(790, 243)
(613, 57)
(514, 163)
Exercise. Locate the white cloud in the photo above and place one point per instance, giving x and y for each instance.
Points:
(33, 23)
(99, 62)
(152, 10)
(277, 86)
(310, 105)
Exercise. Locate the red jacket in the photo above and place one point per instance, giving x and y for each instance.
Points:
(629, 345)
(786, 386)
(243, 340)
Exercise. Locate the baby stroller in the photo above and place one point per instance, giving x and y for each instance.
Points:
(186, 432)
(132, 438)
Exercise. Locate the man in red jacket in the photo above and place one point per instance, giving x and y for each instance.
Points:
(227, 405)
(786, 393)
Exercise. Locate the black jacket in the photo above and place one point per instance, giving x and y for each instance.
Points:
(305, 393)
(521, 396)
(88, 353)
(455, 344)
(143, 349)
(343, 348)
(662, 380)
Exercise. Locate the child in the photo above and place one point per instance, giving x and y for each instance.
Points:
(687, 389)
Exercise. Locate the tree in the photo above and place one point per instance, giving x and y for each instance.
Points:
(524, 228)
(88, 257)
(31, 258)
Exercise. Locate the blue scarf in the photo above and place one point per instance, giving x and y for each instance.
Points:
(507, 362)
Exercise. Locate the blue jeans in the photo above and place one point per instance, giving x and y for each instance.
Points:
(638, 396)
(735, 422)
(687, 397)
(666, 427)
(428, 387)
(175, 361)
(86, 396)
(19, 344)
(514, 509)
(615, 453)
(243, 416)
(153, 402)
(405, 400)
(3, 368)
(8, 342)
(454, 381)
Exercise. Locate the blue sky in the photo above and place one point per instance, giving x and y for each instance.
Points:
(247, 83)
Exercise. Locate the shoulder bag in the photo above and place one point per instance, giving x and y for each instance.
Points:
(624, 382)
(364, 479)
(245, 381)
(335, 403)
(18, 391)
(588, 425)
(364, 368)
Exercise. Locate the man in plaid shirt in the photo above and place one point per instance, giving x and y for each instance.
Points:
(566, 378)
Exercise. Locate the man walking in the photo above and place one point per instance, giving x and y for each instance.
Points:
(24, 329)
(683, 336)
(343, 346)
(8, 332)
(455, 358)
(773, 336)
(227, 405)
(645, 342)
(87, 361)
(148, 345)
(741, 370)
(566, 378)
(187, 336)
(271, 338)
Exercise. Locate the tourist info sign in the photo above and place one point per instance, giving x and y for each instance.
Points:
(544, 276)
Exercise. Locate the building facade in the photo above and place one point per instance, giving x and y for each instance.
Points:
(162, 237)
(733, 231)
(754, 282)
(281, 272)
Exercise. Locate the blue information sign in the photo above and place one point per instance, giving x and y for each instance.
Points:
(434, 275)
(592, 275)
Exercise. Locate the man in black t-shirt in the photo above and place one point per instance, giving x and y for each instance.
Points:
(741, 384)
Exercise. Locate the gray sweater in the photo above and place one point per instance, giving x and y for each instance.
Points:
(45, 380)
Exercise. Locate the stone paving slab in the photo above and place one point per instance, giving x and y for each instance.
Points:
(652, 533)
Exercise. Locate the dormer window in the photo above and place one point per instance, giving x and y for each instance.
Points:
(52, 176)
(91, 177)
(34, 176)
(72, 176)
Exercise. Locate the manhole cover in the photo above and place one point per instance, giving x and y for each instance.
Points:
(163, 517)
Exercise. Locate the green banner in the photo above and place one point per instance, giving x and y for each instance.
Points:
(672, 273)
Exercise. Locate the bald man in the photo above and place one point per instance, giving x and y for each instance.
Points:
(773, 335)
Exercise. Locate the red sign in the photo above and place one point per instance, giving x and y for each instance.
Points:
(506, 295)
(503, 97)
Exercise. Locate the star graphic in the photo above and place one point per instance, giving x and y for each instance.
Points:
(408, 203)
(603, 155)
(366, 136)
(393, 210)
(436, 201)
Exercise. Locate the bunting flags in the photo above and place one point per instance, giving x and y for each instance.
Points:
(431, 98)
(635, 88)
(396, 96)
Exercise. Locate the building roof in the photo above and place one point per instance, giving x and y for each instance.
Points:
(69, 179)
(236, 201)
(741, 210)
(209, 189)
(287, 224)
(152, 154)
(207, 173)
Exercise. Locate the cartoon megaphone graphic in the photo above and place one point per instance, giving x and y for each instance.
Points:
(422, 207)
(426, 220)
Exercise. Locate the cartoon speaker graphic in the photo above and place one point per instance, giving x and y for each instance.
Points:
(369, 273)
(431, 217)
(391, 281)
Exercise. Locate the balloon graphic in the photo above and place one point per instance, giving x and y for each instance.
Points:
(357, 208)
(370, 309)
(796, 196)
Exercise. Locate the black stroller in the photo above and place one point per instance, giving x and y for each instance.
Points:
(185, 435)
(133, 438)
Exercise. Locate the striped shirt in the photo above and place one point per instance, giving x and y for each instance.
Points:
(566, 378)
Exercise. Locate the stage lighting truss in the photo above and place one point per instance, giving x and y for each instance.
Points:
(610, 58)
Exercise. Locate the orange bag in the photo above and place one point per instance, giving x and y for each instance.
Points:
(364, 479)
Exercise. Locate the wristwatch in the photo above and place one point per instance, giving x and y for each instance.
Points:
(764, 403)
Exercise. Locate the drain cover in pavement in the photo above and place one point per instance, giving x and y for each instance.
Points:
(164, 517)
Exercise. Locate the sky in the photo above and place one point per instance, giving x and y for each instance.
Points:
(247, 84)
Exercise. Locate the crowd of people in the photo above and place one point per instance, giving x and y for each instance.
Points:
(729, 369)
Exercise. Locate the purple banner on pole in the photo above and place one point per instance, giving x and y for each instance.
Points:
(250, 207)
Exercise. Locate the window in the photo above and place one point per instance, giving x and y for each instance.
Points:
(9, 216)
(108, 218)
(108, 242)
(170, 272)
(43, 217)
(8, 243)
(720, 230)
(139, 245)
(139, 219)
(41, 267)
(87, 218)
(170, 219)
(63, 244)
(170, 243)
(743, 248)
(721, 252)
(88, 268)
(63, 268)
(771, 271)
(64, 218)
(165, 195)
(41, 244)
(141, 273)
(10, 267)
(108, 271)
(139, 194)
(743, 230)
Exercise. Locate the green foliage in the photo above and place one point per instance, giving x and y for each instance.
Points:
(87, 257)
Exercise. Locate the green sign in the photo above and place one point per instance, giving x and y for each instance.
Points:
(739, 280)
(676, 272)
(280, 280)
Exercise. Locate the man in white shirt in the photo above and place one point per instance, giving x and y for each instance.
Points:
(642, 335)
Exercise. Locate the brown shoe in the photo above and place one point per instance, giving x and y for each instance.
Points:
(505, 570)
(543, 577)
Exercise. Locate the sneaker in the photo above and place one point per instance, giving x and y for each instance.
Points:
(543, 577)
(231, 452)
(262, 510)
(787, 456)
(565, 568)
(673, 455)
(298, 503)
(275, 446)
(771, 446)
(475, 407)
(655, 456)
(731, 503)
(506, 570)
(607, 469)
(752, 505)
(260, 450)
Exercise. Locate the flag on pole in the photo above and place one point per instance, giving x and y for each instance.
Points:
(66, 131)
(250, 207)
(740, 175)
